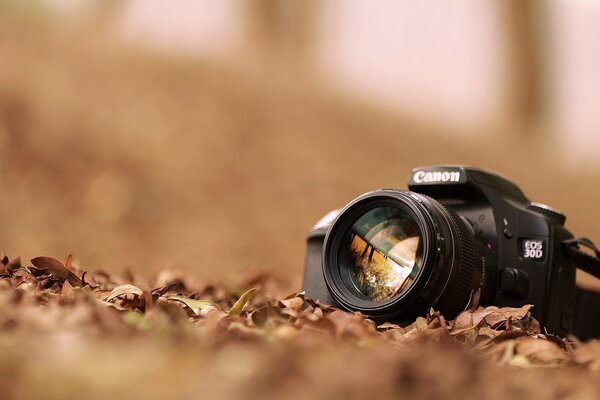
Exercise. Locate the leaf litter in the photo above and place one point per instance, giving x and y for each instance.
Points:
(268, 340)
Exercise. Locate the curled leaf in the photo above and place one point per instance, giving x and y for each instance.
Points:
(197, 306)
(88, 280)
(388, 325)
(49, 265)
(123, 290)
(473, 300)
(66, 290)
(53, 266)
(12, 264)
(69, 263)
(238, 306)
(173, 286)
(295, 303)
(264, 315)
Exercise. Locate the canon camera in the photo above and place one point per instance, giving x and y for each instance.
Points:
(458, 231)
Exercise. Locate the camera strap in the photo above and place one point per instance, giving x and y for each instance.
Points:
(586, 322)
(584, 261)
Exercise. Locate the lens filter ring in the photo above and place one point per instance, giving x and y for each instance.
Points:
(392, 254)
(355, 216)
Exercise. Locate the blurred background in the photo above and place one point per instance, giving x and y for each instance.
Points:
(209, 136)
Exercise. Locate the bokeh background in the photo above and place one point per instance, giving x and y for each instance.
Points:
(209, 136)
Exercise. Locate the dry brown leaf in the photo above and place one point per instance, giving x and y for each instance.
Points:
(480, 314)
(474, 298)
(13, 264)
(67, 290)
(388, 326)
(463, 321)
(171, 287)
(505, 314)
(88, 280)
(539, 350)
(53, 266)
(125, 289)
(21, 276)
(69, 263)
(507, 335)
(263, 315)
(295, 303)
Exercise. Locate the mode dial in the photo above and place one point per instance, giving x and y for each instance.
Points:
(548, 212)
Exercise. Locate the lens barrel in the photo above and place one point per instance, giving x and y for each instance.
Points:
(393, 254)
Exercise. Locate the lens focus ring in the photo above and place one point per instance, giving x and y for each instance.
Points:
(455, 296)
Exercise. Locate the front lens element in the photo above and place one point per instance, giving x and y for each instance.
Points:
(381, 254)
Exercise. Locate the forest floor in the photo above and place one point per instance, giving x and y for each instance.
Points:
(67, 333)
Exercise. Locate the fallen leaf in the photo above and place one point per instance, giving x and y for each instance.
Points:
(463, 321)
(295, 303)
(539, 350)
(480, 314)
(89, 281)
(501, 315)
(67, 290)
(13, 264)
(173, 286)
(473, 300)
(53, 266)
(21, 276)
(124, 290)
(388, 325)
(263, 315)
(197, 306)
(69, 263)
(238, 306)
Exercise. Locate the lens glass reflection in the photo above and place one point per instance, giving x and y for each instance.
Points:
(380, 255)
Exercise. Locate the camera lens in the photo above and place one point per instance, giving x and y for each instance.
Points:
(380, 253)
(391, 254)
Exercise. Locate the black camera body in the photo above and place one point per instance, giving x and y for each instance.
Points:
(392, 254)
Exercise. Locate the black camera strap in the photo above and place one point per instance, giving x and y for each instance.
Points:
(587, 305)
(584, 261)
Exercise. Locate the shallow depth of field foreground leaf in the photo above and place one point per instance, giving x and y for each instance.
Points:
(69, 333)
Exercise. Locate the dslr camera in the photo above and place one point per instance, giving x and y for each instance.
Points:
(392, 254)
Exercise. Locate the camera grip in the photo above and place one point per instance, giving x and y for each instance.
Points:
(313, 282)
